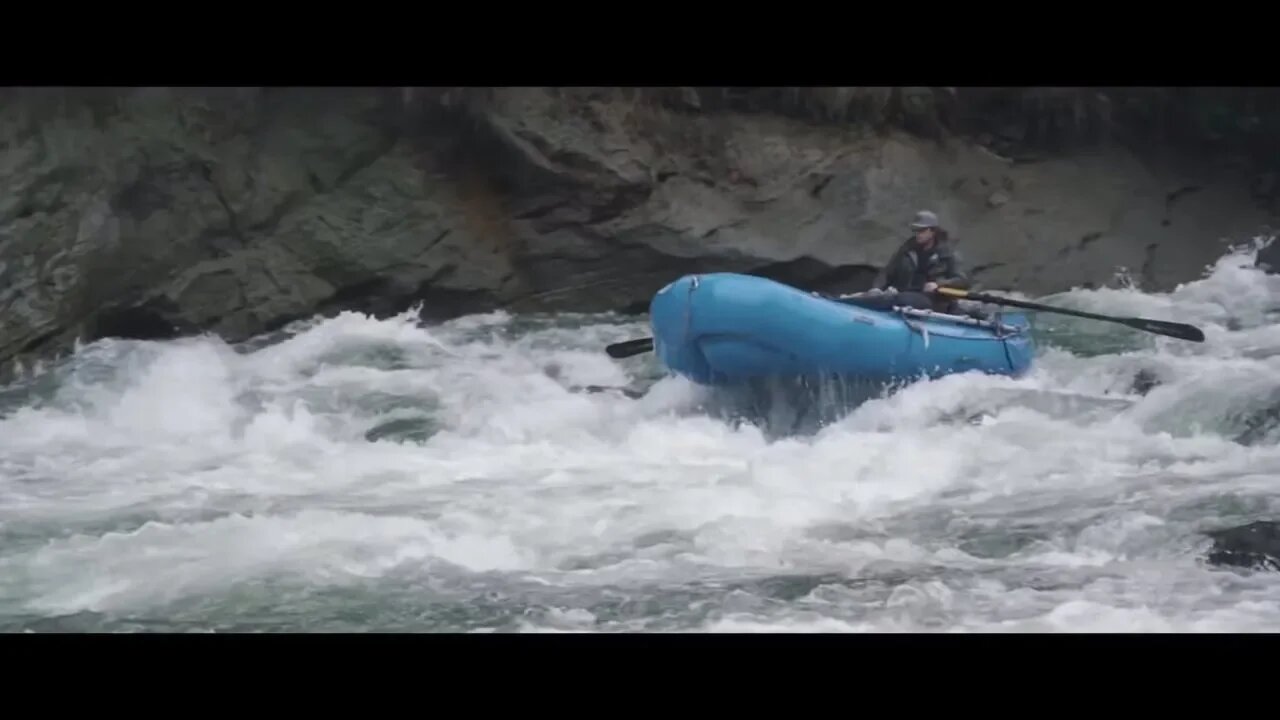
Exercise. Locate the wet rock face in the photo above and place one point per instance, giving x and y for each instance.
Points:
(150, 213)
(1254, 546)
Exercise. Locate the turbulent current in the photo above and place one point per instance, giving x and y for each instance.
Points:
(500, 473)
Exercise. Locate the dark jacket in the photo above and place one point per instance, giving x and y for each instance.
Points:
(906, 270)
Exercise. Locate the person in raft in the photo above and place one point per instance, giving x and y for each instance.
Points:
(925, 261)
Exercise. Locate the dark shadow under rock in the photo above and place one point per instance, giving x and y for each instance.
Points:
(153, 320)
(814, 275)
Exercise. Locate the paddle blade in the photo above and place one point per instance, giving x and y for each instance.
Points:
(629, 348)
(1172, 329)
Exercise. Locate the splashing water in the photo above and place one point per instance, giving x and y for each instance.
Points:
(364, 474)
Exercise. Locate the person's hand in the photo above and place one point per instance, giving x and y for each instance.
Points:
(930, 287)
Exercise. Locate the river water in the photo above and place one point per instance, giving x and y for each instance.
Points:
(485, 474)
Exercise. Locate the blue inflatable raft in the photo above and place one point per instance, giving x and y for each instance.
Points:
(726, 328)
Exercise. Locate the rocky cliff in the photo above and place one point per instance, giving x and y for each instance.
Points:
(151, 212)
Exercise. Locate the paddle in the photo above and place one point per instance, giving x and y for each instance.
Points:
(1160, 327)
(629, 347)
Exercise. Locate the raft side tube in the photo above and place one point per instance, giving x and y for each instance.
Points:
(726, 327)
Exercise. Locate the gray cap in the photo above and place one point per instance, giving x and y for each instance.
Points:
(924, 219)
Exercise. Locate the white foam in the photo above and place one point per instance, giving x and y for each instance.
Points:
(160, 562)
(163, 472)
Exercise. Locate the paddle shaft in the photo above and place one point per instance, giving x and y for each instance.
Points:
(1161, 327)
(979, 297)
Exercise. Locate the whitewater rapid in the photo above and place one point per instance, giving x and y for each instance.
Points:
(488, 474)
